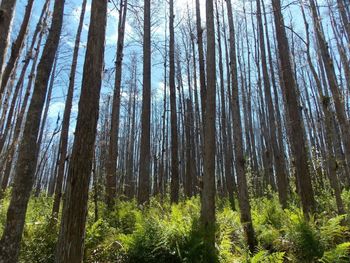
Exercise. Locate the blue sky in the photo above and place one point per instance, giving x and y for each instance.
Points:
(133, 43)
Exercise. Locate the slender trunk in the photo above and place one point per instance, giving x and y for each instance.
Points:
(16, 47)
(145, 151)
(173, 115)
(66, 118)
(296, 129)
(201, 58)
(70, 246)
(24, 176)
(208, 194)
(111, 182)
(7, 8)
(282, 183)
(242, 186)
(227, 154)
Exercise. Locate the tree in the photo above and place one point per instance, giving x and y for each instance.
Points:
(145, 151)
(7, 8)
(295, 125)
(16, 47)
(208, 193)
(282, 182)
(173, 115)
(203, 88)
(114, 132)
(242, 187)
(27, 158)
(70, 246)
(66, 117)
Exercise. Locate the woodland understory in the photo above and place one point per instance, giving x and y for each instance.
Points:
(174, 131)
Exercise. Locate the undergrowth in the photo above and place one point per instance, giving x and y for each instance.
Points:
(161, 232)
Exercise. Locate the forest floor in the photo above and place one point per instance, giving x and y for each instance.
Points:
(162, 232)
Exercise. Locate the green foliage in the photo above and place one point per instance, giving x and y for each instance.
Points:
(340, 254)
(165, 232)
(264, 256)
(39, 242)
(305, 238)
(40, 232)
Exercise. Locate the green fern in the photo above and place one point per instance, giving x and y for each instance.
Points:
(340, 254)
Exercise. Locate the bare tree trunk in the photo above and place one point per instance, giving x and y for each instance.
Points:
(227, 151)
(201, 58)
(190, 150)
(331, 161)
(332, 81)
(173, 116)
(24, 177)
(208, 194)
(16, 47)
(111, 182)
(129, 177)
(70, 246)
(243, 195)
(282, 183)
(145, 151)
(66, 118)
(7, 8)
(296, 128)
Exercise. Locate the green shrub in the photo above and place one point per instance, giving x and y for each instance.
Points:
(39, 242)
(340, 254)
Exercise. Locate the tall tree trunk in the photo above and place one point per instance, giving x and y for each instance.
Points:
(16, 47)
(227, 151)
(208, 194)
(332, 81)
(24, 177)
(190, 150)
(129, 177)
(66, 118)
(296, 129)
(243, 195)
(145, 151)
(7, 8)
(173, 116)
(331, 160)
(282, 183)
(70, 246)
(111, 182)
(201, 58)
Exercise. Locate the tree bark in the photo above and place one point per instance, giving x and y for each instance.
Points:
(145, 151)
(7, 8)
(66, 118)
(24, 177)
(70, 246)
(111, 164)
(173, 116)
(16, 47)
(208, 194)
(296, 129)
(243, 195)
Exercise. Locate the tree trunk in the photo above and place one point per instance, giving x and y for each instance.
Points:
(16, 47)
(243, 196)
(24, 177)
(296, 129)
(66, 118)
(7, 8)
(282, 182)
(111, 182)
(173, 115)
(201, 58)
(208, 194)
(145, 151)
(70, 246)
